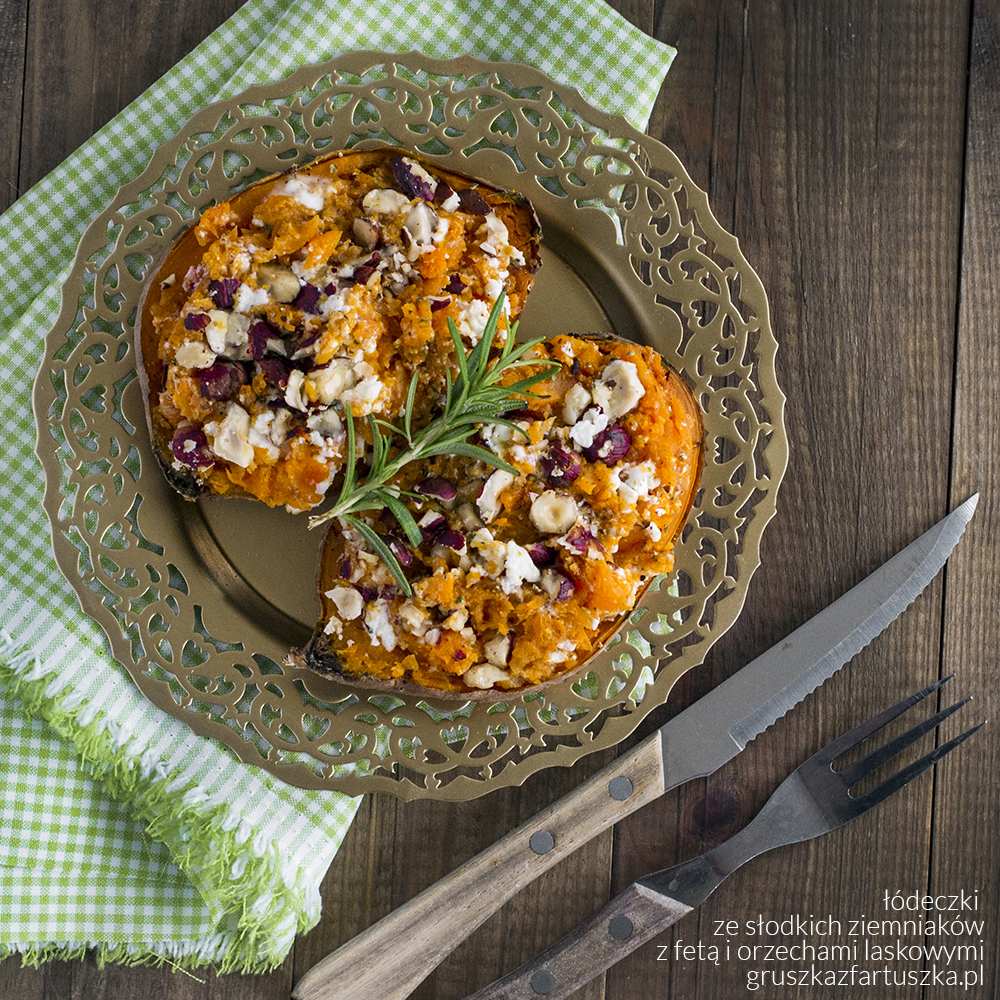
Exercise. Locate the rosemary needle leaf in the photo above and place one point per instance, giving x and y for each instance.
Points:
(372, 537)
(402, 514)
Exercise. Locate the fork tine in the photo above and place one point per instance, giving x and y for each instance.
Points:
(853, 773)
(838, 747)
(894, 783)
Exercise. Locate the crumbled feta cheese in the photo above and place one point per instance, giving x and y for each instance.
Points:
(590, 424)
(471, 319)
(246, 298)
(310, 192)
(492, 552)
(484, 675)
(349, 602)
(329, 383)
(326, 423)
(619, 388)
(489, 500)
(633, 482)
(378, 625)
(519, 568)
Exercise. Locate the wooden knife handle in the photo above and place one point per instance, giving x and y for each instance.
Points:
(632, 918)
(389, 959)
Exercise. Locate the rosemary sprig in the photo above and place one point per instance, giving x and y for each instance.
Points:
(472, 397)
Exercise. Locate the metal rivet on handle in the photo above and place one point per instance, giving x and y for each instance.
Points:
(543, 982)
(620, 788)
(542, 842)
(620, 928)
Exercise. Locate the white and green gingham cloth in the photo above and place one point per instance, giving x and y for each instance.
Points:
(121, 831)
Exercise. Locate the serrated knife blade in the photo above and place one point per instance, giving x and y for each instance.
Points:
(695, 743)
(719, 725)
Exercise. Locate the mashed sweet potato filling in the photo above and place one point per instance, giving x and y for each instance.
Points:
(321, 289)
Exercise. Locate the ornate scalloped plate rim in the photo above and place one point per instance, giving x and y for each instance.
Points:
(515, 771)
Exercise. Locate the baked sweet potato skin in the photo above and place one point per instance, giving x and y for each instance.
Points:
(381, 299)
(521, 580)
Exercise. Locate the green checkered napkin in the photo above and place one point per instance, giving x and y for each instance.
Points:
(122, 832)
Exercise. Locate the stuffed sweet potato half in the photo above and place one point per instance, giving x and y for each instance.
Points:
(520, 576)
(311, 292)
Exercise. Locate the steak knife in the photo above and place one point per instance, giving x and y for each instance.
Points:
(389, 959)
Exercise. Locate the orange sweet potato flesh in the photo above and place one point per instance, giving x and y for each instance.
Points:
(591, 552)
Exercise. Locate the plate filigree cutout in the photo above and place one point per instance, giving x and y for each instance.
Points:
(619, 210)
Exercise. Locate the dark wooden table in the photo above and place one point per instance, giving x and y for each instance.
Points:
(854, 148)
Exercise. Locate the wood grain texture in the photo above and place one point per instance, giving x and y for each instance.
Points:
(422, 932)
(854, 149)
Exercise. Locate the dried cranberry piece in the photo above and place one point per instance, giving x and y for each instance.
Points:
(431, 529)
(222, 292)
(307, 300)
(442, 192)
(437, 487)
(409, 181)
(456, 285)
(190, 447)
(580, 538)
(560, 465)
(567, 588)
(452, 539)
(367, 594)
(260, 333)
(275, 372)
(196, 321)
(541, 555)
(439, 304)
(367, 269)
(345, 570)
(221, 380)
(473, 202)
(610, 445)
(398, 548)
(459, 654)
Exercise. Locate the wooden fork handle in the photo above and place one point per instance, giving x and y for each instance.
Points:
(389, 959)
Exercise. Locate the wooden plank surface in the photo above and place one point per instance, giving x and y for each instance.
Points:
(854, 148)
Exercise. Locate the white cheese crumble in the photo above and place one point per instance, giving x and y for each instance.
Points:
(310, 192)
(519, 568)
(619, 388)
(588, 426)
(484, 676)
(378, 625)
(633, 482)
(349, 602)
(246, 298)
(471, 319)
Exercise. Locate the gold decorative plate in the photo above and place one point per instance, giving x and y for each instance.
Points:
(201, 600)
